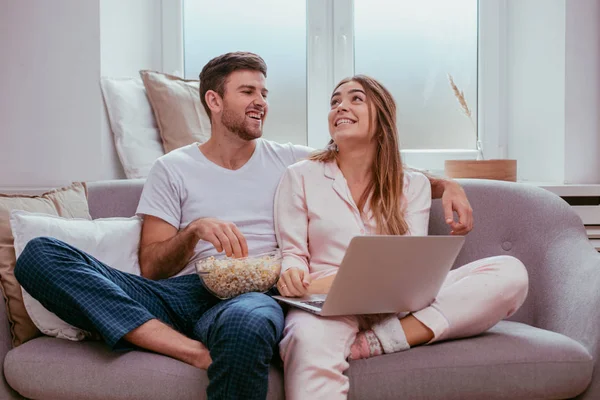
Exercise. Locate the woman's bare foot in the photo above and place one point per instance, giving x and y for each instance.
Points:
(416, 332)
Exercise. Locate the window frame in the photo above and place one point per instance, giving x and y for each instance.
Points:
(333, 42)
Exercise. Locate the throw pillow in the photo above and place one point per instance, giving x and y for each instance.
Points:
(132, 123)
(114, 241)
(179, 114)
(69, 202)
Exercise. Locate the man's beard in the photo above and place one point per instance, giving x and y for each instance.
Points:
(239, 126)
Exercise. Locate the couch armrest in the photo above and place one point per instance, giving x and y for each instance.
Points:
(6, 392)
(569, 302)
(542, 230)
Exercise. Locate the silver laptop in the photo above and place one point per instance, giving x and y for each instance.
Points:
(385, 274)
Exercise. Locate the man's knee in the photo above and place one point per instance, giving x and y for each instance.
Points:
(254, 316)
(33, 258)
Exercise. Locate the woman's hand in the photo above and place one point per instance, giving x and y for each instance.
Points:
(294, 282)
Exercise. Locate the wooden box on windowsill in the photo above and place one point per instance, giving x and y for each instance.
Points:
(503, 170)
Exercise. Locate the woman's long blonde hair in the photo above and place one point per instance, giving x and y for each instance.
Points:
(387, 172)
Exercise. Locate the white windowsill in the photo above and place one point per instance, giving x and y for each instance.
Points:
(432, 160)
(566, 189)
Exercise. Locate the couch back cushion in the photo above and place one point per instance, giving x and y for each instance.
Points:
(116, 198)
(519, 220)
(509, 219)
(69, 202)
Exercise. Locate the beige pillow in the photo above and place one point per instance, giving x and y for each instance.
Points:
(180, 117)
(69, 202)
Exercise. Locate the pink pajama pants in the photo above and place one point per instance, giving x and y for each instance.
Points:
(472, 299)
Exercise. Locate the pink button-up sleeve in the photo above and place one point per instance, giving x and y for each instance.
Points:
(417, 191)
(291, 222)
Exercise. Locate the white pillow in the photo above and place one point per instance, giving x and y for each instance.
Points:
(114, 241)
(137, 138)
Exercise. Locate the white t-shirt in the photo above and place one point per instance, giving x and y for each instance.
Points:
(184, 185)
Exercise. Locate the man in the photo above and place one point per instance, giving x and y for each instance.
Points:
(197, 201)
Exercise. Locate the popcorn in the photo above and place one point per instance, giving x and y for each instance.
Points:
(230, 277)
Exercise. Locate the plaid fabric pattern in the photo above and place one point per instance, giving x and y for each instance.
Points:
(240, 333)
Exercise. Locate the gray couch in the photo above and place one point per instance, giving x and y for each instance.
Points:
(548, 349)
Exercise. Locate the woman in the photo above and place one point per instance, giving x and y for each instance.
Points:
(357, 186)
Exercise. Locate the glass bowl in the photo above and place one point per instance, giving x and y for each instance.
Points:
(227, 277)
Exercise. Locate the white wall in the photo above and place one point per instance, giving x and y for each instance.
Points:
(130, 36)
(582, 96)
(130, 40)
(50, 102)
(553, 74)
(55, 129)
(536, 88)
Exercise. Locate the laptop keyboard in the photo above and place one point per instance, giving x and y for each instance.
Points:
(317, 304)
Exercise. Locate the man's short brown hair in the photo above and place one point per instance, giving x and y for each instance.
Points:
(214, 74)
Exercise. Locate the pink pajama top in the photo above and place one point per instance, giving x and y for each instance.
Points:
(316, 217)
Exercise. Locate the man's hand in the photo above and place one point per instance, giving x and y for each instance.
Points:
(455, 199)
(225, 236)
(293, 283)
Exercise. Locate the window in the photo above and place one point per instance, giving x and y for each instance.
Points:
(274, 29)
(410, 46)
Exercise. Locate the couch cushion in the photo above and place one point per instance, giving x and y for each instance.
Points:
(48, 368)
(510, 361)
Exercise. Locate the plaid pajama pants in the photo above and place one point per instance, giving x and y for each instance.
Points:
(241, 333)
